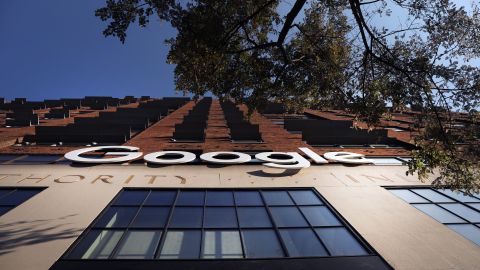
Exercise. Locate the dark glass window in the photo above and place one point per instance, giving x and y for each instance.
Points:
(383, 160)
(432, 195)
(288, 217)
(302, 242)
(117, 217)
(459, 211)
(250, 217)
(471, 215)
(408, 196)
(161, 198)
(37, 159)
(319, 216)
(138, 245)
(475, 205)
(277, 198)
(468, 231)
(97, 244)
(5, 191)
(438, 213)
(4, 209)
(220, 217)
(261, 244)
(219, 198)
(187, 217)
(6, 158)
(305, 197)
(221, 244)
(12, 197)
(18, 196)
(151, 217)
(217, 224)
(191, 198)
(181, 245)
(246, 198)
(460, 196)
(339, 241)
(134, 197)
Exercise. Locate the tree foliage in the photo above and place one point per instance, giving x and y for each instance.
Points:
(334, 53)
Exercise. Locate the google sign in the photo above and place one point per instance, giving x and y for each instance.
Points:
(280, 160)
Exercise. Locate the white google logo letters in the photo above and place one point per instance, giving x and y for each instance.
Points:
(280, 160)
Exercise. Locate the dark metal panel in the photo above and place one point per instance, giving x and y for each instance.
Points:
(331, 263)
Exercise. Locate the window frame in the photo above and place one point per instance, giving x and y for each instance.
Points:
(441, 205)
(380, 160)
(13, 189)
(239, 228)
(334, 262)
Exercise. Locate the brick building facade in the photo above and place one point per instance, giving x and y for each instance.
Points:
(58, 214)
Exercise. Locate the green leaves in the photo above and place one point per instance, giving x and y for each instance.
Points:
(329, 54)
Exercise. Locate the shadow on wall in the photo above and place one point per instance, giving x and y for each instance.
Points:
(24, 233)
(284, 173)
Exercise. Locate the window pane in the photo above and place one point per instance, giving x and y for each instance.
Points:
(277, 198)
(5, 209)
(253, 217)
(37, 159)
(261, 244)
(220, 198)
(191, 198)
(161, 197)
(220, 217)
(305, 197)
(340, 242)
(18, 196)
(221, 245)
(386, 161)
(438, 213)
(181, 245)
(302, 242)
(468, 231)
(63, 161)
(320, 216)
(432, 195)
(408, 196)
(204, 224)
(4, 192)
(139, 245)
(288, 217)
(4, 158)
(151, 217)
(475, 205)
(459, 196)
(463, 211)
(96, 245)
(244, 198)
(187, 217)
(131, 197)
(117, 217)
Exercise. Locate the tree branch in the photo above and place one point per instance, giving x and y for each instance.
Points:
(237, 26)
(297, 7)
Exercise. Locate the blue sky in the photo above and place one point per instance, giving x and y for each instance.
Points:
(55, 48)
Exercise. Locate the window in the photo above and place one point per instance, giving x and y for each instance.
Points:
(33, 159)
(6, 159)
(37, 159)
(458, 211)
(397, 129)
(12, 197)
(386, 161)
(163, 224)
